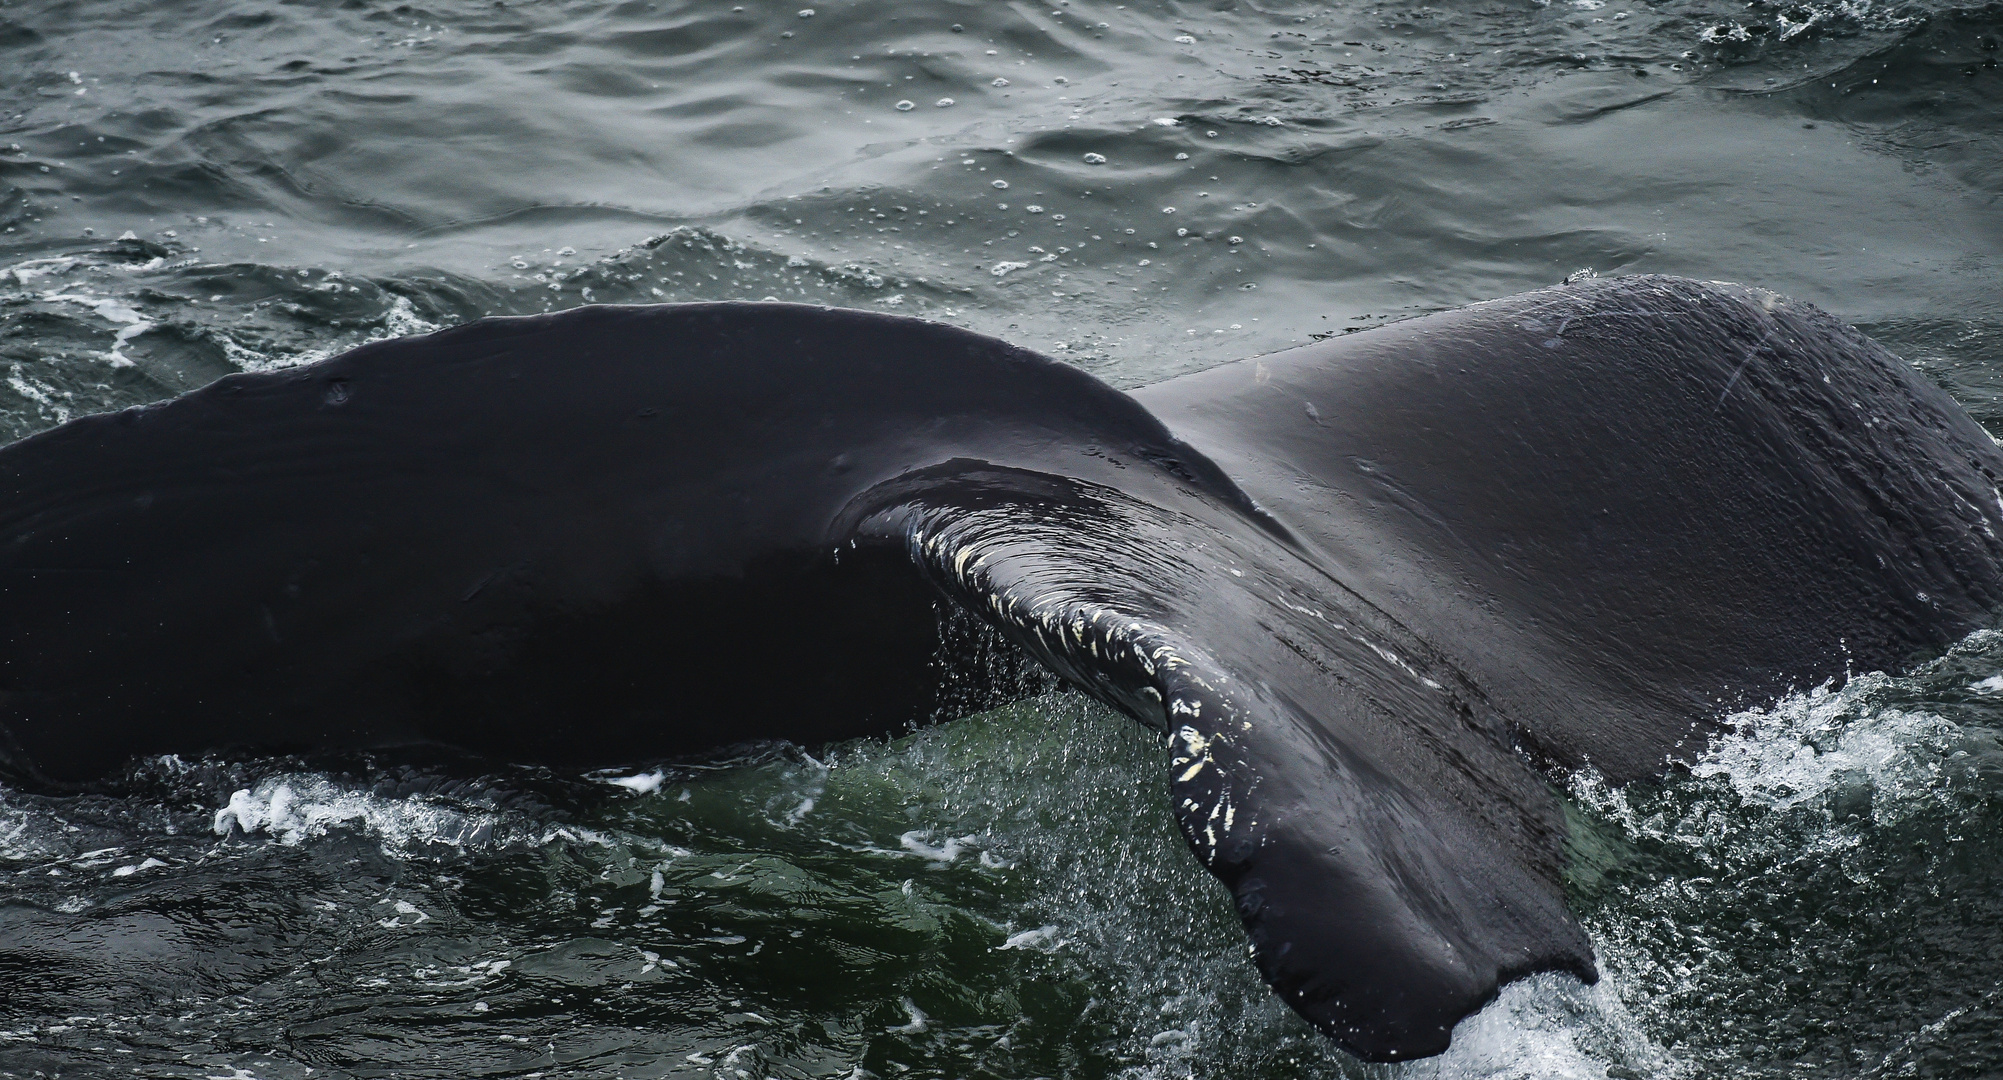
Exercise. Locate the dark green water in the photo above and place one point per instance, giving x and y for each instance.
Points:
(189, 189)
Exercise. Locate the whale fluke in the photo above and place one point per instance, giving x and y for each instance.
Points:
(1367, 588)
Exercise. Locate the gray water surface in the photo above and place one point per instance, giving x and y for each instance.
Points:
(192, 189)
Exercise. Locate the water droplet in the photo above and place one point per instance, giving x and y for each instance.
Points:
(806, 13)
(1182, 157)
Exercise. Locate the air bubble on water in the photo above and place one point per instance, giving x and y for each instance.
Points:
(1168, 209)
(1095, 159)
(806, 13)
(1185, 39)
(1001, 185)
(944, 103)
(1167, 121)
(906, 106)
(999, 81)
(1034, 209)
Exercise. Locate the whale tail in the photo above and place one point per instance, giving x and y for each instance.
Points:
(1360, 586)
(1392, 858)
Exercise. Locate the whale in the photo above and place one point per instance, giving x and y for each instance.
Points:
(1375, 592)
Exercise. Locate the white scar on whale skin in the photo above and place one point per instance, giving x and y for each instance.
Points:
(1199, 747)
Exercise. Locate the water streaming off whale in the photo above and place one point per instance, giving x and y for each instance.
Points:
(1005, 895)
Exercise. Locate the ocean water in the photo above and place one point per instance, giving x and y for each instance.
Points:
(1143, 189)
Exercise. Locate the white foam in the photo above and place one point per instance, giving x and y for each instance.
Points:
(1040, 938)
(17, 842)
(294, 809)
(1806, 747)
(39, 393)
(640, 784)
(918, 1020)
(915, 843)
(401, 320)
(131, 322)
(1548, 1027)
(24, 272)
